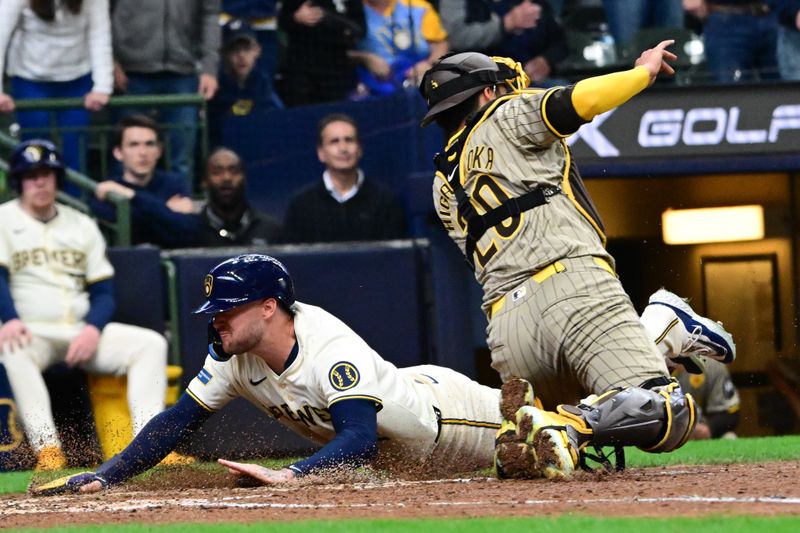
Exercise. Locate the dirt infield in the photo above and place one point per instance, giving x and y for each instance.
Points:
(180, 495)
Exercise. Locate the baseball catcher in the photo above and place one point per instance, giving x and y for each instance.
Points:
(510, 195)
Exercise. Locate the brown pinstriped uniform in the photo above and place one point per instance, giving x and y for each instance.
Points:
(574, 332)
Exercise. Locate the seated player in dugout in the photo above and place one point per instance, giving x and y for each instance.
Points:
(510, 196)
(57, 301)
(310, 372)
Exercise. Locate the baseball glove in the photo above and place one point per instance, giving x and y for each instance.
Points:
(71, 483)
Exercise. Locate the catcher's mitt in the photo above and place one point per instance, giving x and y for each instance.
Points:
(71, 483)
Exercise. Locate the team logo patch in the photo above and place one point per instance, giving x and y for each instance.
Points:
(208, 284)
(204, 376)
(518, 294)
(33, 153)
(343, 376)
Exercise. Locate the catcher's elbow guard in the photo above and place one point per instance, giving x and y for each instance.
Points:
(655, 420)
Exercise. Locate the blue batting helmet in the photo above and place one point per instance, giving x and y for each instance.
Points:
(246, 278)
(32, 155)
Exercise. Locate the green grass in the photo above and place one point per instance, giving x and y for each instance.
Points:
(562, 524)
(747, 450)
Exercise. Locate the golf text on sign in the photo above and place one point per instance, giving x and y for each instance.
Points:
(717, 121)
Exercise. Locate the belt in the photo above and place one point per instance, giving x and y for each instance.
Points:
(542, 274)
(756, 9)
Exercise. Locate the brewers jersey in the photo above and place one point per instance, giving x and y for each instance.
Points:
(424, 412)
(51, 263)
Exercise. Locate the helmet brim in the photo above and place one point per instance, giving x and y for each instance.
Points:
(449, 102)
(207, 308)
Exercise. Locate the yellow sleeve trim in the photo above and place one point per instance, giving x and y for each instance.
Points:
(357, 397)
(599, 94)
(200, 402)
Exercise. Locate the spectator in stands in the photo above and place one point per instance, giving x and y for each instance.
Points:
(226, 219)
(137, 146)
(788, 13)
(57, 302)
(243, 89)
(343, 206)
(158, 47)
(262, 17)
(740, 38)
(56, 50)
(320, 33)
(403, 39)
(527, 31)
(716, 396)
(626, 17)
(162, 210)
(472, 25)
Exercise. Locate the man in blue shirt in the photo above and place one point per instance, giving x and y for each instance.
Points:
(137, 146)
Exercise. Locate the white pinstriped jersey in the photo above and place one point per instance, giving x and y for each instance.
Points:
(510, 151)
(50, 263)
(333, 363)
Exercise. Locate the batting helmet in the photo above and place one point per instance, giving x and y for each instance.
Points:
(456, 77)
(32, 155)
(246, 278)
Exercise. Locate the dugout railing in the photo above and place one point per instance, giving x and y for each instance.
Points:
(98, 133)
(95, 148)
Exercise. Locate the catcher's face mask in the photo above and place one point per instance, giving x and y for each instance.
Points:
(456, 77)
(517, 80)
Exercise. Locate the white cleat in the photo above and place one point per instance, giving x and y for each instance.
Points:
(706, 337)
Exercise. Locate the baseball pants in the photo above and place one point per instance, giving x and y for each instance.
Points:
(469, 416)
(571, 334)
(123, 349)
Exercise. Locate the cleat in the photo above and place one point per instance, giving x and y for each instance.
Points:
(706, 337)
(506, 433)
(515, 460)
(514, 394)
(513, 457)
(177, 459)
(556, 453)
(50, 458)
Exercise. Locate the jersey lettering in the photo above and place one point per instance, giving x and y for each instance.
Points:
(304, 415)
(72, 259)
(488, 194)
(481, 157)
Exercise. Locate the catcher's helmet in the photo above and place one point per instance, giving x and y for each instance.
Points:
(31, 155)
(456, 77)
(246, 278)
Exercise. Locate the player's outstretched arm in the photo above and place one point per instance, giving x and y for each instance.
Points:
(159, 437)
(567, 109)
(599, 94)
(356, 424)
